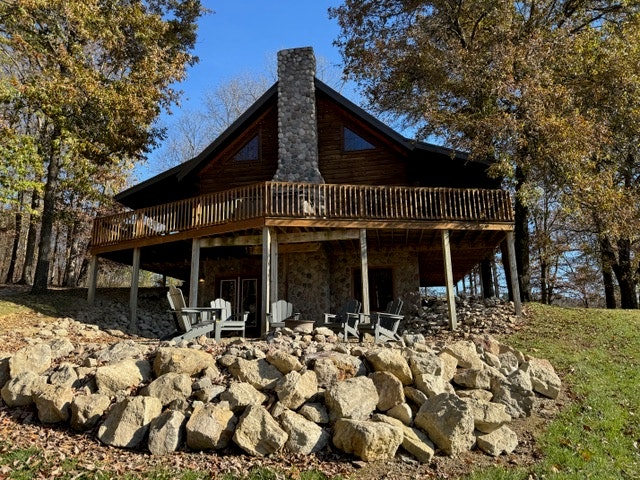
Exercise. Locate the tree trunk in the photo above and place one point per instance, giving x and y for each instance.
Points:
(625, 275)
(487, 278)
(521, 231)
(16, 242)
(607, 280)
(45, 249)
(32, 237)
(73, 243)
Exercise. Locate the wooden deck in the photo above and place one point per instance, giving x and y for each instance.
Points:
(323, 205)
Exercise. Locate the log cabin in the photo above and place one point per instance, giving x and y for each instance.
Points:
(306, 197)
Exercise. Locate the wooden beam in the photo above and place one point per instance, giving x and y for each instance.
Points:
(194, 278)
(283, 238)
(513, 273)
(266, 280)
(448, 274)
(93, 279)
(364, 260)
(133, 292)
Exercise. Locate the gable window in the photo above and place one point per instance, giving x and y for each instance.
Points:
(250, 150)
(354, 142)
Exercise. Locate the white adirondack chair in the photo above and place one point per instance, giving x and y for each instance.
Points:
(280, 311)
(228, 321)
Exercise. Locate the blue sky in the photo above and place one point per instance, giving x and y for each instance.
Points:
(243, 36)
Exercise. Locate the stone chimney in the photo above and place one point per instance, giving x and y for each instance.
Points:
(297, 123)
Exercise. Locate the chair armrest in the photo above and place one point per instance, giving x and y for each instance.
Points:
(327, 316)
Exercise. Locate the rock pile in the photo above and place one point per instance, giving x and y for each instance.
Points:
(295, 391)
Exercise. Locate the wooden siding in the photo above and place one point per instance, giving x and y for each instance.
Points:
(223, 172)
(384, 165)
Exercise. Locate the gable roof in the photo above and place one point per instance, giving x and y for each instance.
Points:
(174, 179)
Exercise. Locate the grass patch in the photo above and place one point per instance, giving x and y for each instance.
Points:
(597, 353)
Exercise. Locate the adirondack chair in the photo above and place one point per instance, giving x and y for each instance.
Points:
(346, 320)
(191, 322)
(280, 311)
(228, 321)
(385, 324)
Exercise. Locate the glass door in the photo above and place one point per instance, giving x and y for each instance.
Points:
(242, 292)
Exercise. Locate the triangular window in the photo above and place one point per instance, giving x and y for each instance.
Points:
(354, 142)
(250, 151)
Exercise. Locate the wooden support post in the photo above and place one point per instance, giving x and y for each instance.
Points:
(195, 273)
(273, 290)
(133, 293)
(266, 279)
(364, 259)
(448, 275)
(92, 280)
(513, 273)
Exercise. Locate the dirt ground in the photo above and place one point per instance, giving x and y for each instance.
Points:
(19, 427)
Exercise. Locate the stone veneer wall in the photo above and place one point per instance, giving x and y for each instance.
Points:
(305, 281)
(402, 260)
(297, 123)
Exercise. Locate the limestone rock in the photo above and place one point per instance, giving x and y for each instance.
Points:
(241, 395)
(53, 402)
(257, 433)
(182, 360)
(476, 394)
(65, 375)
(295, 389)
(166, 432)
(18, 392)
(425, 363)
(449, 365)
(367, 440)
(315, 412)
(430, 384)
(4, 368)
(501, 440)
(415, 396)
(333, 367)
(305, 437)
(60, 347)
(389, 387)
(487, 416)
(353, 398)
(125, 350)
(466, 354)
(33, 358)
(283, 361)
(391, 361)
(259, 373)
(515, 393)
(127, 423)
(402, 412)
(414, 441)
(169, 387)
(210, 426)
(544, 379)
(86, 410)
(122, 376)
(449, 423)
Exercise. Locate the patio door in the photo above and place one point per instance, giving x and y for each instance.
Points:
(243, 293)
(380, 287)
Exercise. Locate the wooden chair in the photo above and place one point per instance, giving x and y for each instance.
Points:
(280, 311)
(228, 321)
(385, 324)
(191, 322)
(346, 320)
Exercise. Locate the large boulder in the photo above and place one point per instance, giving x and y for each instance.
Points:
(465, 352)
(515, 392)
(449, 423)
(53, 403)
(258, 433)
(166, 432)
(259, 373)
(414, 441)
(391, 361)
(33, 358)
(210, 426)
(124, 350)
(367, 440)
(544, 379)
(487, 416)
(182, 360)
(501, 440)
(122, 376)
(354, 398)
(295, 388)
(18, 392)
(283, 361)
(87, 410)
(333, 367)
(390, 391)
(241, 395)
(305, 437)
(169, 387)
(127, 423)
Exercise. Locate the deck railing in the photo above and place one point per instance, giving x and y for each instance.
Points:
(302, 200)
